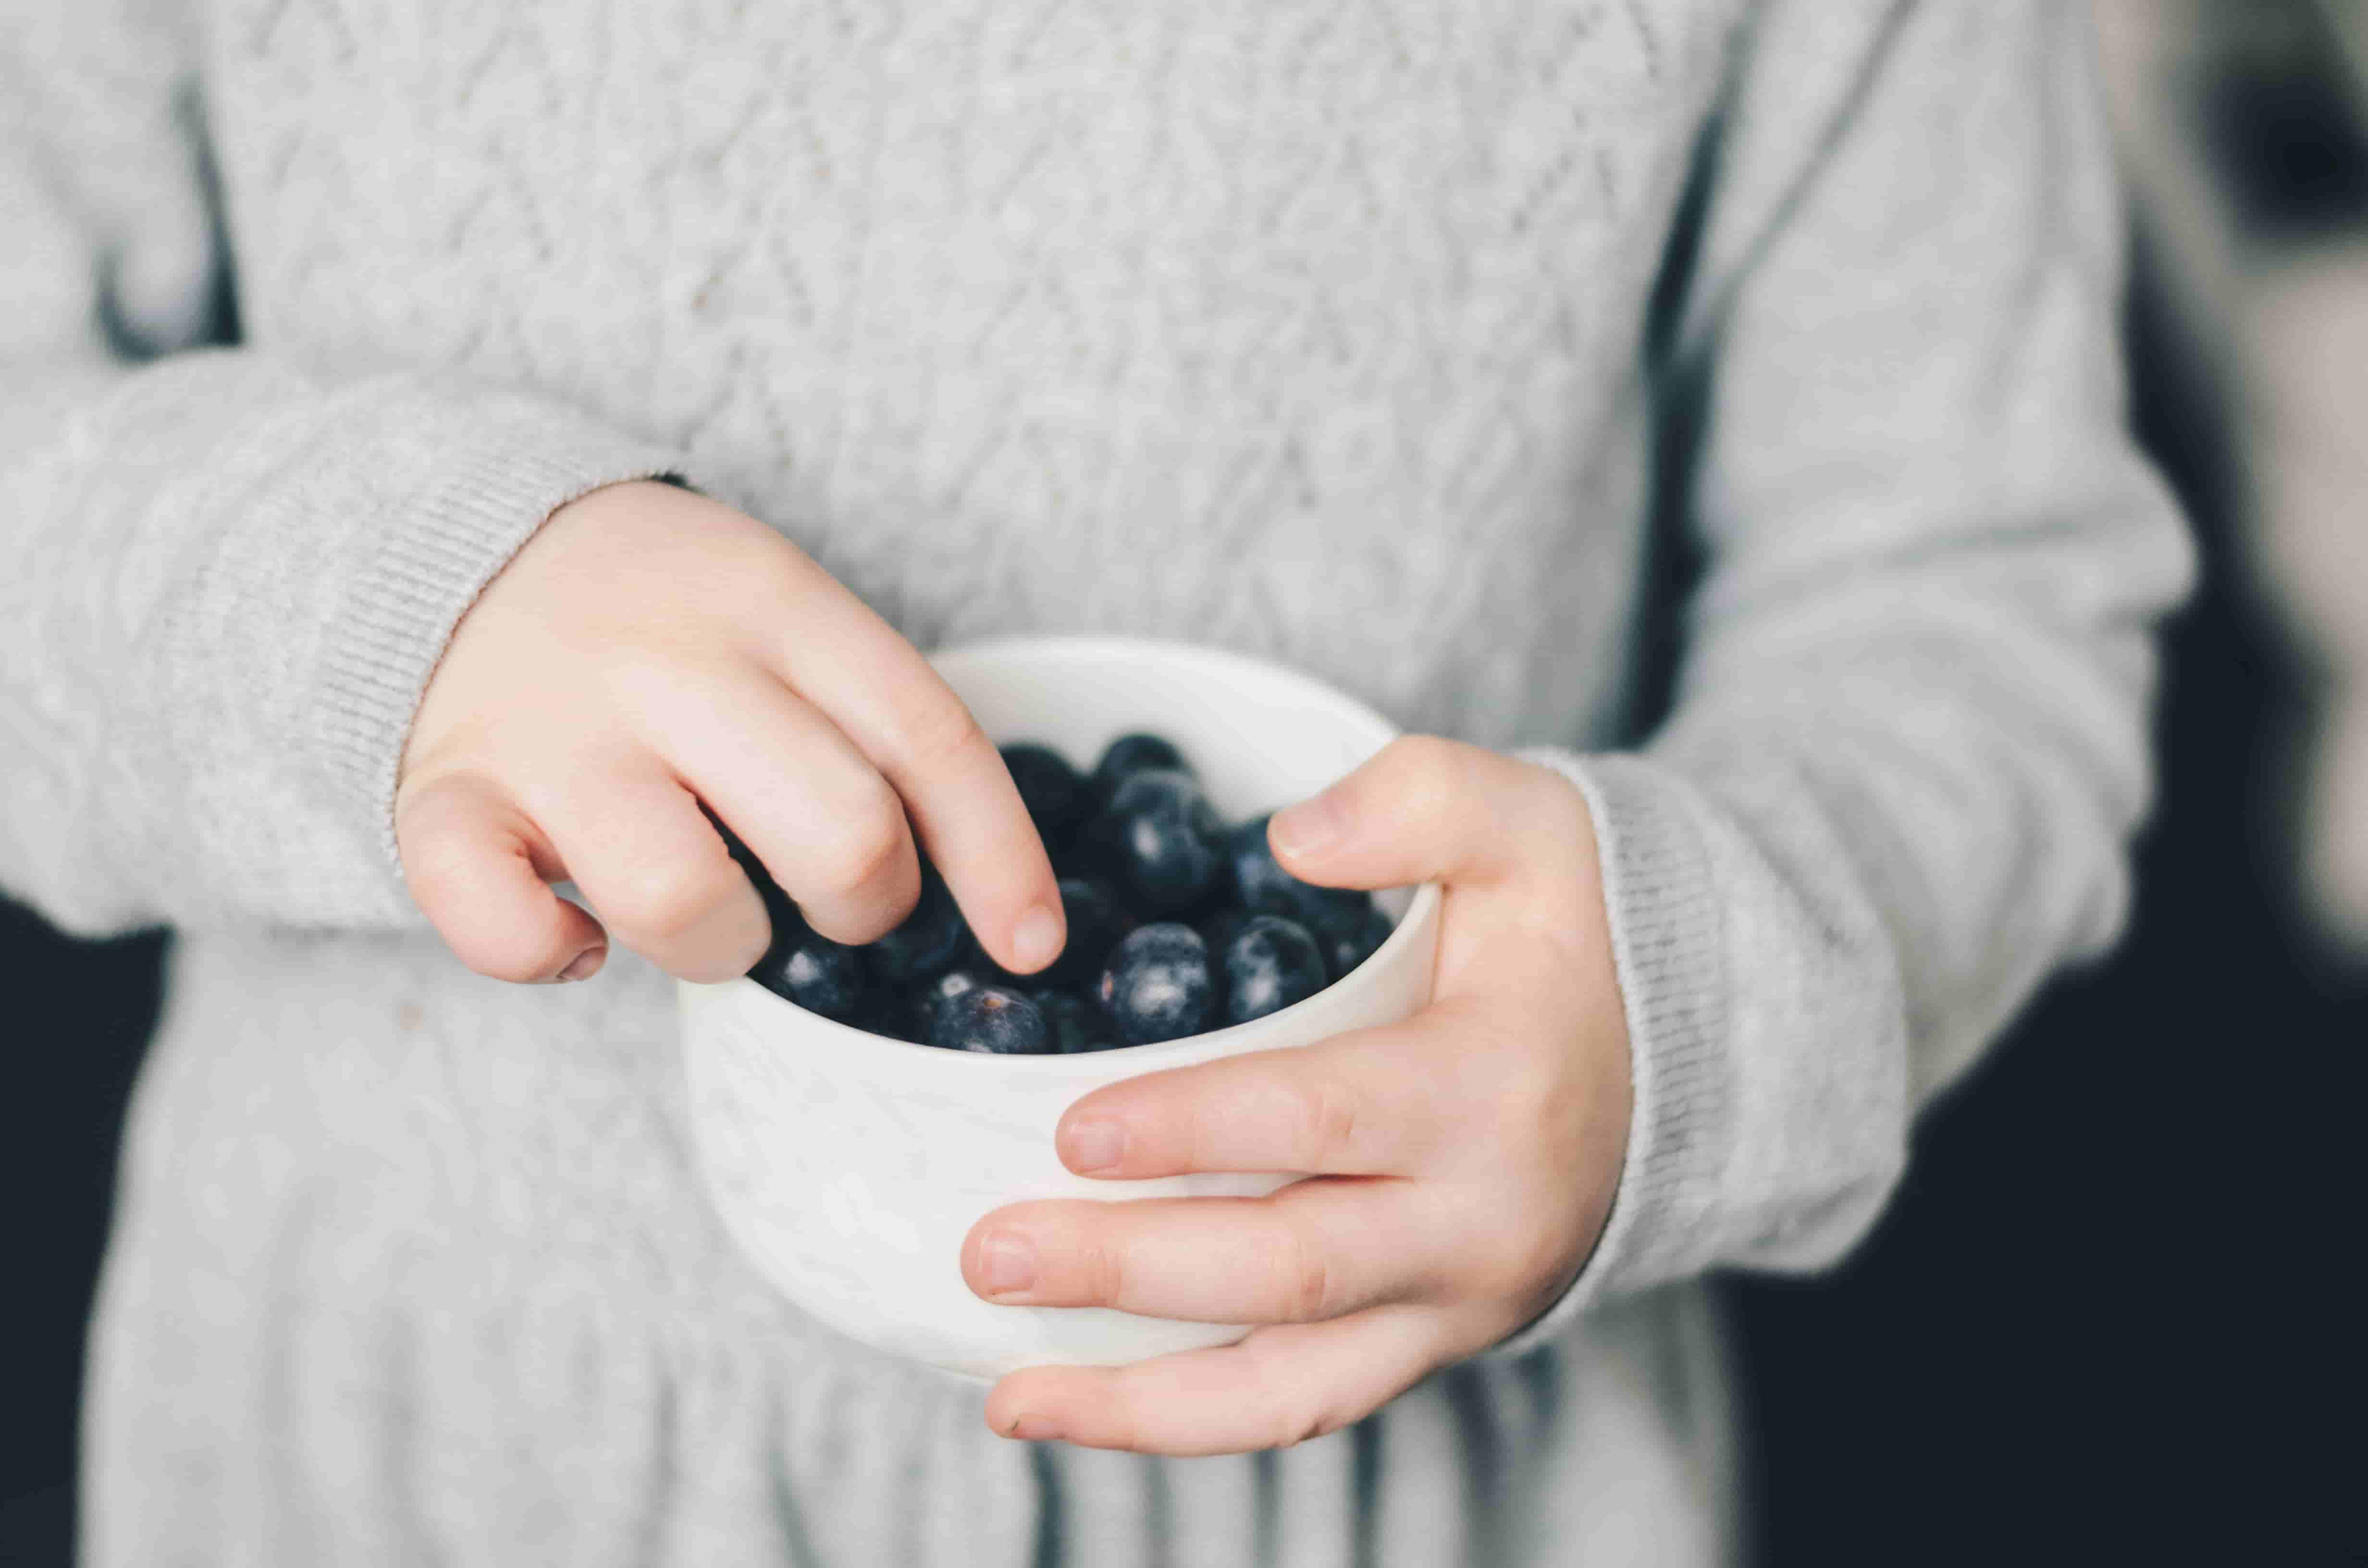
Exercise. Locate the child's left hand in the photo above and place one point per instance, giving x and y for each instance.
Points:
(1465, 1158)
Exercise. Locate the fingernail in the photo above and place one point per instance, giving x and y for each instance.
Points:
(1093, 1145)
(1034, 1429)
(1036, 940)
(582, 965)
(1307, 827)
(1007, 1261)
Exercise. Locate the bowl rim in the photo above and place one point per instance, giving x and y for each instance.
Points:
(1418, 913)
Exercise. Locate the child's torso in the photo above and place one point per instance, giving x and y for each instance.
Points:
(1310, 328)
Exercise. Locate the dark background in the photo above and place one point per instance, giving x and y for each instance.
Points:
(2114, 1315)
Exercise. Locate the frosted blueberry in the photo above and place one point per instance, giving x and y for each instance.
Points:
(1269, 964)
(993, 1022)
(1157, 985)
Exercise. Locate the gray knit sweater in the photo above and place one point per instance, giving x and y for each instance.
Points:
(1393, 340)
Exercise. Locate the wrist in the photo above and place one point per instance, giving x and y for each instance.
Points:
(1663, 938)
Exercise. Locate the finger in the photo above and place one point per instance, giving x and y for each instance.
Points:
(634, 841)
(1314, 1250)
(1428, 810)
(886, 699)
(1371, 1102)
(817, 814)
(476, 866)
(1281, 1385)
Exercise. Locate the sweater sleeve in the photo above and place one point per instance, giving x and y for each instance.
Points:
(1910, 740)
(227, 579)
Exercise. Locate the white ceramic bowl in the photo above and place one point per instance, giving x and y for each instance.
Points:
(849, 1167)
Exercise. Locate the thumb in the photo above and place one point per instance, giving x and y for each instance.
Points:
(1423, 808)
(474, 865)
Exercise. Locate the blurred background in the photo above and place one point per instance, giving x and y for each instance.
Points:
(2116, 1313)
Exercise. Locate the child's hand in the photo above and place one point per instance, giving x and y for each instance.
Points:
(1468, 1156)
(650, 650)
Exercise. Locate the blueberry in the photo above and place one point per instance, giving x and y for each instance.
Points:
(1272, 963)
(992, 1021)
(928, 941)
(1265, 887)
(1096, 924)
(1346, 947)
(1131, 754)
(1057, 797)
(1077, 1024)
(1220, 929)
(1157, 985)
(933, 996)
(818, 974)
(1161, 842)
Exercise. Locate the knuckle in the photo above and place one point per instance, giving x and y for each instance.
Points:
(1121, 1418)
(1425, 778)
(1304, 1422)
(1434, 767)
(865, 847)
(1102, 1274)
(1305, 1270)
(936, 730)
(1329, 1119)
(435, 867)
(433, 833)
(666, 901)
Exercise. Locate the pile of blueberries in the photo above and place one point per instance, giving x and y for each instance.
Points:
(1178, 924)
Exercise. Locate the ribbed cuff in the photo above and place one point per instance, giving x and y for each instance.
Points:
(515, 463)
(1668, 948)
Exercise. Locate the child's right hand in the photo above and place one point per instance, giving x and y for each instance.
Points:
(649, 650)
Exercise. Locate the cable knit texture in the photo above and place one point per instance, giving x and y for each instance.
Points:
(1340, 332)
